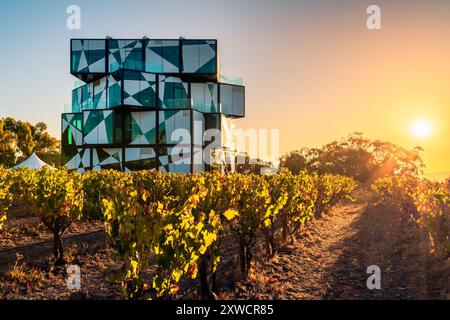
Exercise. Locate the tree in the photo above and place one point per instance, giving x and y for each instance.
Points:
(47, 147)
(44, 142)
(22, 134)
(22, 139)
(356, 156)
(392, 159)
(296, 160)
(7, 148)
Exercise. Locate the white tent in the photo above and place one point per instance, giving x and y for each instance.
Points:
(33, 162)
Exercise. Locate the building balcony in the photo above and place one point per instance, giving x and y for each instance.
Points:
(238, 81)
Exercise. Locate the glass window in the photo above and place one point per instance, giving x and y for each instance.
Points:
(107, 158)
(142, 127)
(131, 88)
(98, 127)
(175, 159)
(76, 99)
(140, 159)
(139, 89)
(212, 121)
(100, 92)
(79, 53)
(226, 98)
(162, 56)
(204, 97)
(199, 56)
(71, 129)
(114, 97)
(232, 100)
(125, 54)
(198, 127)
(118, 127)
(173, 93)
(96, 55)
(88, 56)
(114, 58)
(147, 90)
(169, 121)
(69, 136)
(78, 122)
(238, 101)
(77, 47)
(87, 97)
(134, 55)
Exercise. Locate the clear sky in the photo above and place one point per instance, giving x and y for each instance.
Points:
(311, 68)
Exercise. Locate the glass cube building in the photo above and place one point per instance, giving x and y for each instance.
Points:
(136, 93)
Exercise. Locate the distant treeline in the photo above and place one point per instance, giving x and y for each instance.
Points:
(356, 156)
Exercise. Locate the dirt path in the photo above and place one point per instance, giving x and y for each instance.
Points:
(41, 250)
(331, 258)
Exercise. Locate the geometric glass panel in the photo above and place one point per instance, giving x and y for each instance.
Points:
(204, 97)
(173, 93)
(162, 56)
(174, 127)
(143, 127)
(199, 56)
(125, 54)
(98, 127)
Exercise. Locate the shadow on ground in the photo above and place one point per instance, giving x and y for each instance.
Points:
(384, 237)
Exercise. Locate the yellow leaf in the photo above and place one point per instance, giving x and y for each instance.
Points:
(169, 240)
(194, 257)
(194, 199)
(134, 265)
(176, 274)
(200, 226)
(230, 214)
(209, 238)
(215, 222)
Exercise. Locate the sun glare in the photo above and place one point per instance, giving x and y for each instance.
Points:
(421, 128)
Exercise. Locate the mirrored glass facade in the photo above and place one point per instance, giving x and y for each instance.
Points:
(146, 104)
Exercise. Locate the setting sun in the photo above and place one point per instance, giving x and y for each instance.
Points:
(421, 128)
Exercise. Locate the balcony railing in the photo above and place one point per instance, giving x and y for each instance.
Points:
(180, 103)
(238, 81)
(68, 108)
(78, 83)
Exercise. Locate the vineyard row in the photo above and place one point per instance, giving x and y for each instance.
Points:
(426, 202)
(177, 221)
